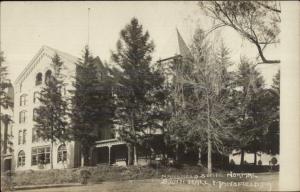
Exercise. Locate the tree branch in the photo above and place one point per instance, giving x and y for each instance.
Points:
(268, 7)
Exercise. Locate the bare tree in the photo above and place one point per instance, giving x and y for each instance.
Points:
(257, 21)
(202, 97)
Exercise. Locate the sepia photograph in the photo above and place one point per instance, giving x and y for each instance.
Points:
(149, 96)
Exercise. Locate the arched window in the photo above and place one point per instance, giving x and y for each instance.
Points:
(47, 76)
(38, 79)
(21, 159)
(35, 96)
(22, 116)
(62, 153)
(23, 99)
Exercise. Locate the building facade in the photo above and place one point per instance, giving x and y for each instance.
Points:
(31, 152)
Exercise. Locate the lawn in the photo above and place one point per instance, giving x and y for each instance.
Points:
(222, 182)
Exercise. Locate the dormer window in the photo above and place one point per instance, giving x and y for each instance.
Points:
(38, 79)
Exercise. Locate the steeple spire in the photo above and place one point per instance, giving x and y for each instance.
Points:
(183, 48)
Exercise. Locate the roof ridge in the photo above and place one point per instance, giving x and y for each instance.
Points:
(61, 52)
(44, 48)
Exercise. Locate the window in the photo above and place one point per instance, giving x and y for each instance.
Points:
(24, 136)
(38, 79)
(35, 137)
(35, 96)
(20, 137)
(34, 114)
(47, 77)
(40, 155)
(21, 159)
(23, 99)
(62, 153)
(22, 116)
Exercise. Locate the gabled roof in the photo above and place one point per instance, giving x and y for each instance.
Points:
(47, 51)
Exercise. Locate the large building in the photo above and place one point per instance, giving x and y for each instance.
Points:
(30, 152)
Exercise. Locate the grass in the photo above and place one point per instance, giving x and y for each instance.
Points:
(138, 178)
(151, 185)
(98, 174)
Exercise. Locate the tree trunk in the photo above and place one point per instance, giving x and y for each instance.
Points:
(255, 158)
(199, 157)
(177, 152)
(135, 155)
(82, 160)
(51, 154)
(209, 150)
(5, 135)
(209, 146)
(130, 160)
(242, 156)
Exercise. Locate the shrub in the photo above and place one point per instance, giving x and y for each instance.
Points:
(84, 176)
(232, 162)
(274, 161)
(259, 162)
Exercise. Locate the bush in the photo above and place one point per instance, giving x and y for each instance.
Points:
(7, 181)
(99, 174)
(259, 162)
(274, 161)
(232, 162)
(84, 176)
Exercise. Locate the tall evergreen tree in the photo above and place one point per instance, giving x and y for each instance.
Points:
(4, 84)
(5, 103)
(51, 116)
(139, 95)
(92, 103)
(250, 111)
(272, 108)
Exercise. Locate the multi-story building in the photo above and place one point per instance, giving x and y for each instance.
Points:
(30, 152)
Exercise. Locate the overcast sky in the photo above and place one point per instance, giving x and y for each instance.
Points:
(26, 26)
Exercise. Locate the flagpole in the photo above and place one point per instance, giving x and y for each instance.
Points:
(88, 35)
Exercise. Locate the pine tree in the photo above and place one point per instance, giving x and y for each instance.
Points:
(272, 108)
(92, 103)
(5, 103)
(51, 116)
(250, 105)
(139, 85)
(4, 84)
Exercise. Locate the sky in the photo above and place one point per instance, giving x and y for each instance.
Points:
(26, 26)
